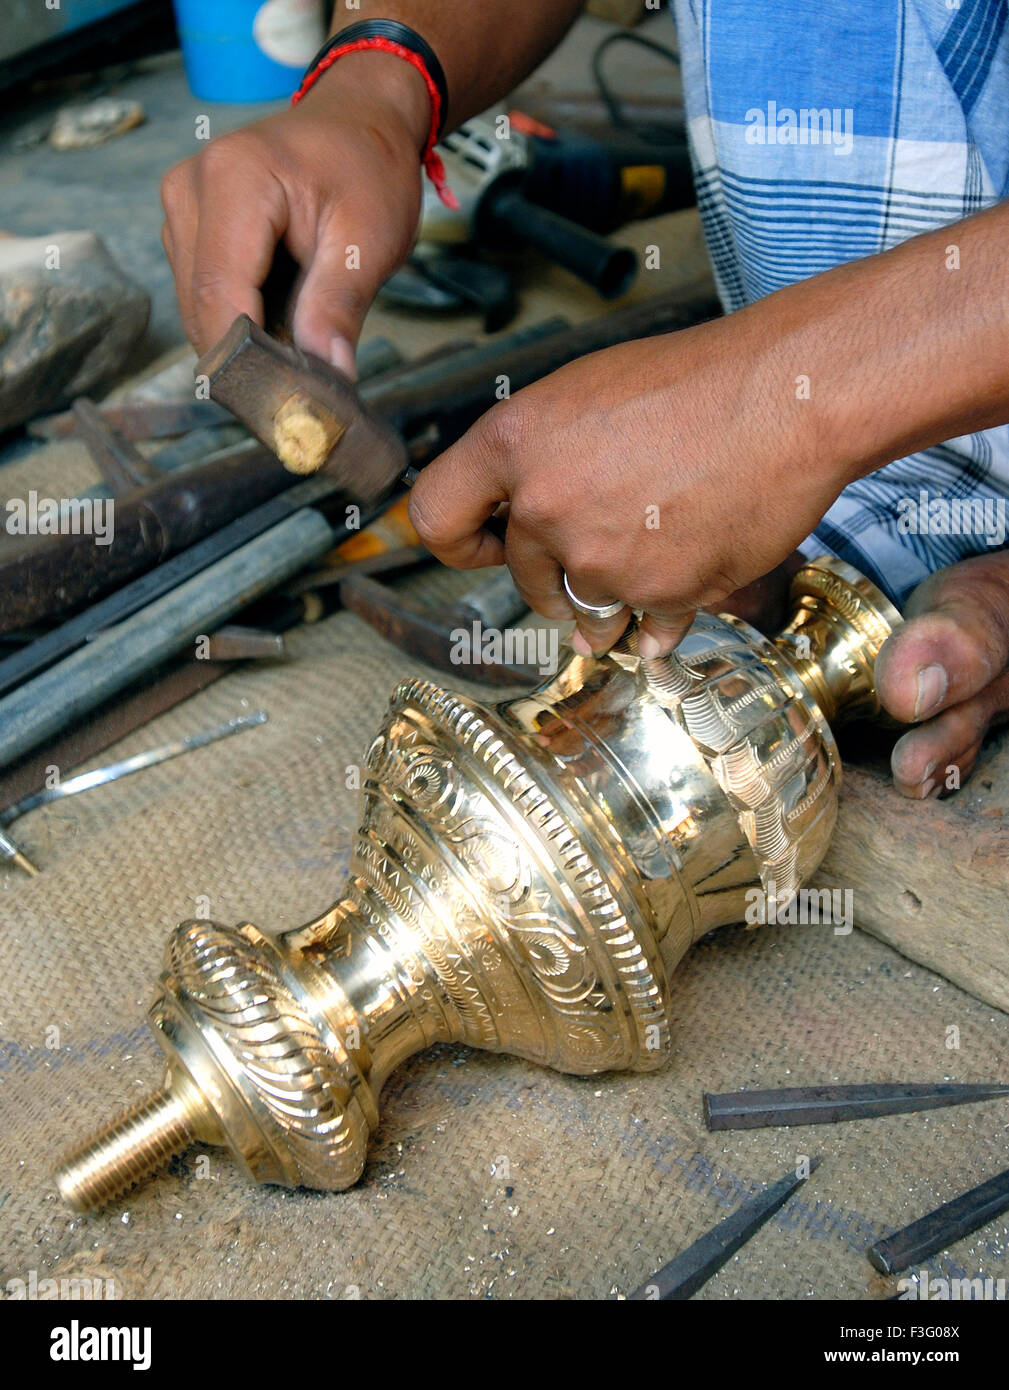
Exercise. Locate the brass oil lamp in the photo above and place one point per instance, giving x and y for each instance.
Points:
(524, 879)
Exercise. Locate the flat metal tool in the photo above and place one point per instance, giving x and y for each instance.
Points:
(121, 463)
(429, 632)
(137, 420)
(941, 1228)
(683, 1276)
(826, 1105)
(112, 773)
(236, 642)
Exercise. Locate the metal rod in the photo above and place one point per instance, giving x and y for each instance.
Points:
(72, 748)
(45, 651)
(119, 655)
(429, 371)
(940, 1228)
(112, 772)
(823, 1105)
(689, 1271)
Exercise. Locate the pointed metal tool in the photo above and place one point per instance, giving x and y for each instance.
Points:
(84, 781)
(941, 1228)
(112, 772)
(10, 851)
(825, 1105)
(684, 1275)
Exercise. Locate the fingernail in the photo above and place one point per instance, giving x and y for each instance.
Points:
(580, 645)
(926, 787)
(904, 760)
(341, 354)
(648, 646)
(932, 683)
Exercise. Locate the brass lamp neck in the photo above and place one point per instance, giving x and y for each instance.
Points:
(839, 623)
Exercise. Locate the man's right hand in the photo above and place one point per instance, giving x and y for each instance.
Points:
(336, 179)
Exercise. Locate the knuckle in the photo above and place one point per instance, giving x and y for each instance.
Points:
(598, 574)
(965, 725)
(222, 154)
(668, 633)
(535, 508)
(174, 185)
(992, 619)
(508, 429)
(658, 596)
(993, 644)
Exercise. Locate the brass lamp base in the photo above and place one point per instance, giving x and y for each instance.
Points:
(523, 880)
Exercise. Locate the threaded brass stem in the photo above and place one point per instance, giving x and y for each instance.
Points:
(125, 1152)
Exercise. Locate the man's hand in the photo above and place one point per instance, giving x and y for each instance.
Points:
(672, 472)
(666, 473)
(947, 670)
(340, 171)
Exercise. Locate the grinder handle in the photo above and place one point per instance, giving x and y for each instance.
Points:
(609, 269)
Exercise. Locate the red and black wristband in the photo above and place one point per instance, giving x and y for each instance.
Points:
(390, 36)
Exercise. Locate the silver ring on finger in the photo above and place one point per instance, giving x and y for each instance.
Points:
(600, 611)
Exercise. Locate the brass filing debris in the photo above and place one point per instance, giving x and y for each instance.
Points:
(524, 879)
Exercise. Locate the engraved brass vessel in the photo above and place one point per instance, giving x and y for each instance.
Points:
(524, 879)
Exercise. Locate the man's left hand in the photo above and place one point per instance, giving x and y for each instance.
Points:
(946, 669)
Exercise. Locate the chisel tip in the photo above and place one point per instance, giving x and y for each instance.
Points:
(25, 864)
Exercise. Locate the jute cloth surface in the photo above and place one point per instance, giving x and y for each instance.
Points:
(489, 1177)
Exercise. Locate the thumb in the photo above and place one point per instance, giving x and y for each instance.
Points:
(953, 643)
(335, 296)
(450, 504)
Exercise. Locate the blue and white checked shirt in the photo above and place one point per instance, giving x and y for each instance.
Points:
(825, 130)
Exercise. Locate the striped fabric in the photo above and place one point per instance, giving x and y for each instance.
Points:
(826, 130)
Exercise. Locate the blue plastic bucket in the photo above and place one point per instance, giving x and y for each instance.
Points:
(248, 50)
